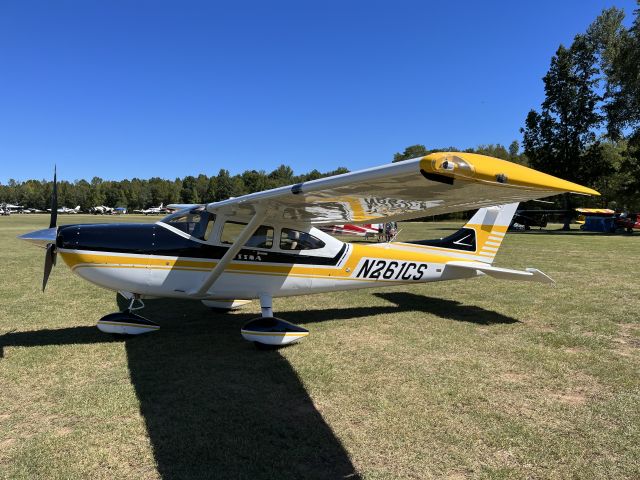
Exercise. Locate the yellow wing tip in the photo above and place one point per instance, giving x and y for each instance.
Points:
(489, 169)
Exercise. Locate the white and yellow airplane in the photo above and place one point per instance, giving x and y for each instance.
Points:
(267, 244)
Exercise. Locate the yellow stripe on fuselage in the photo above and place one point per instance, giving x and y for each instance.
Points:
(83, 259)
(384, 251)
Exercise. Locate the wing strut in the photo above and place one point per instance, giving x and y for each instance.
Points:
(246, 233)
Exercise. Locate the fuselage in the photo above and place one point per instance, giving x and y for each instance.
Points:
(171, 258)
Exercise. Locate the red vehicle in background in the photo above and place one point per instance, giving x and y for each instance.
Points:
(628, 221)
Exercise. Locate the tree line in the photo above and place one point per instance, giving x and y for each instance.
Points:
(138, 193)
(586, 130)
(142, 193)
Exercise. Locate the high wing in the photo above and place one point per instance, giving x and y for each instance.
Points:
(437, 183)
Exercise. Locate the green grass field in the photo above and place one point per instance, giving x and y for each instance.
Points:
(466, 379)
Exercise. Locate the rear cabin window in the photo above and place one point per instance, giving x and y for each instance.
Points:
(198, 224)
(295, 240)
(262, 238)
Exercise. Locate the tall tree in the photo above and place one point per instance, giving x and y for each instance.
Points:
(493, 150)
(412, 151)
(415, 151)
(224, 186)
(211, 191)
(561, 139)
(202, 184)
(619, 55)
(189, 191)
(96, 195)
(514, 148)
(283, 175)
(255, 181)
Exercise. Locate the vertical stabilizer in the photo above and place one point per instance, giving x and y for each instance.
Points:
(480, 238)
(490, 225)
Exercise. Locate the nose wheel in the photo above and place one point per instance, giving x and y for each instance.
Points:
(269, 331)
(126, 322)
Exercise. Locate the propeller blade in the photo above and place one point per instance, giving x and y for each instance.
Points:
(49, 262)
(54, 201)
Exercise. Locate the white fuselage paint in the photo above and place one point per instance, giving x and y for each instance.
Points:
(157, 281)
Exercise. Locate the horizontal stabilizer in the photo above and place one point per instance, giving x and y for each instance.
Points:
(528, 275)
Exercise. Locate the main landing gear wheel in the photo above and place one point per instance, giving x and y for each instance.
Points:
(127, 322)
(272, 331)
(268, 331)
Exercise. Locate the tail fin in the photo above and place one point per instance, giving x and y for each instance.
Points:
(77, 209)
(490, 225)
(482, 235)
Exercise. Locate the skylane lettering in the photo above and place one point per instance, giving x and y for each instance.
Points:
(378, 269)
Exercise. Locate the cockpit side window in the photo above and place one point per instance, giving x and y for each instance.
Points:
(296, 240)
(262, 238)
(197, 223)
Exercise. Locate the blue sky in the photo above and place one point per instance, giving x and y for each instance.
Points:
(121, 89)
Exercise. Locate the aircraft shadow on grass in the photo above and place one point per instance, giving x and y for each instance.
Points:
(216, 407)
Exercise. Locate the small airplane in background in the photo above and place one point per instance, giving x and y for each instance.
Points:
(268, 244)
(11, 208)
(525, 219)
(380, 232)
(66, 210)
(159, 210)
(101, 210)
(367, 230)
(628, 221)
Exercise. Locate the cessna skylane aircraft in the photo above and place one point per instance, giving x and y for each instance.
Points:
(267, 244)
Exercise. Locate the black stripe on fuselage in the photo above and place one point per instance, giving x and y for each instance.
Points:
(464, 239)
(151, 239)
